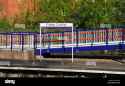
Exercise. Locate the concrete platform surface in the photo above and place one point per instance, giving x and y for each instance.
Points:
(66, 65)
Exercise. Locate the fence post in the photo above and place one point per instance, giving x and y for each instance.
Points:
(22, 42)
(63, 41)
(49, 41)
(34, 43)
(106, 36)
(122, 36)
(6, 39)
(11, 41)
(77, 40)
(93, 37)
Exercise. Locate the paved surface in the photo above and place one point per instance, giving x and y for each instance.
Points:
(66, 64)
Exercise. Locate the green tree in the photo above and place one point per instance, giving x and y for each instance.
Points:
(56, 10)
(94, 12)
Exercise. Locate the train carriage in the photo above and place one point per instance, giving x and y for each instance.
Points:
(102, 39)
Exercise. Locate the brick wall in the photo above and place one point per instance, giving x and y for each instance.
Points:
(16, 55)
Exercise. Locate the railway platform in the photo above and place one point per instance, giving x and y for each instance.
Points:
(63, 67)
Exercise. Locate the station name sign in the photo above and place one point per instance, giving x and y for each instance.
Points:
(56, 25)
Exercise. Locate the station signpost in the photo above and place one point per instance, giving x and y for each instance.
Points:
(57, 25)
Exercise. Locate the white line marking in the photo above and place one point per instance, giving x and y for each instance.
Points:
(64, 70)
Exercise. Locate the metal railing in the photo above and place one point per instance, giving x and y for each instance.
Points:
(31, 40)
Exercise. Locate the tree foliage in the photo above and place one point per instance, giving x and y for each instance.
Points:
(83, 13)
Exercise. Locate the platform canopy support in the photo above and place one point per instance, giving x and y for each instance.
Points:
(57, 25)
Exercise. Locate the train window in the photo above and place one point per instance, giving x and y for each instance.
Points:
(60, 36)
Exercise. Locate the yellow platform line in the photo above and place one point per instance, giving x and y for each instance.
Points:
(79, 59)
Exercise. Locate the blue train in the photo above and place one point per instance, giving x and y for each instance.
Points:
(61, 42)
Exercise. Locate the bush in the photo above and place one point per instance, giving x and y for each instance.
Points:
(4, 24)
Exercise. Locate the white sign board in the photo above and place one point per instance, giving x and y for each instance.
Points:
(56, 25)
(105, 25)
(23, 26)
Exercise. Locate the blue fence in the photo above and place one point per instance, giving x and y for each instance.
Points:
(31, 40)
